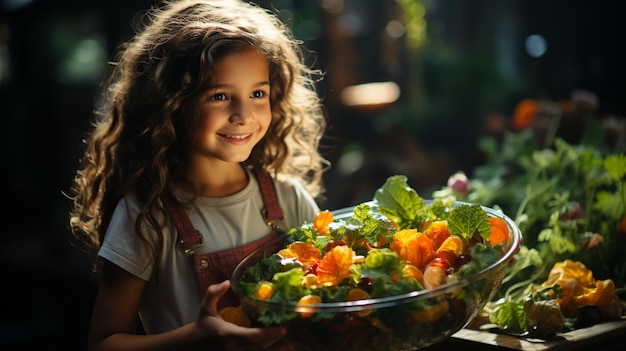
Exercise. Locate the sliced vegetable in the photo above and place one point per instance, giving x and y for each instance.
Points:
(499, 231)
(434, 276)
(306, 305)
(438, 232)
(264, 291)
(414, 247)
(359, 294)
(410, 271)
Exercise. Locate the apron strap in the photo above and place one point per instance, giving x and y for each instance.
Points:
(272, 213)
(188, 236)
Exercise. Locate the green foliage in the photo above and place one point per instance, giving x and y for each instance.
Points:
(510, 317)
(288, 286)
(400, 203)
(464, 220)
(371, 227)
(382, 265)
(264, 269)
(538, 186)
(568, 201)
(536, 314)
(483, 256)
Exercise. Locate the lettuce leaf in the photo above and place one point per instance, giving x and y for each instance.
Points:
(288, 286)
(363, 226)
(464, 220)
(287, 289)
(537, 314)
(384, 267)
(400, 203)
(510, 317)
(264, 269)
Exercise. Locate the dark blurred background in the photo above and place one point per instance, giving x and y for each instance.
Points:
(449, 72)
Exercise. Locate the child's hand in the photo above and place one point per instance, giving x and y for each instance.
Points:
(231, 336)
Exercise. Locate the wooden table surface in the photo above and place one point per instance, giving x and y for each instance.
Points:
(605, 336)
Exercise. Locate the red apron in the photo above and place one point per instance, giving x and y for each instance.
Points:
(213, 268)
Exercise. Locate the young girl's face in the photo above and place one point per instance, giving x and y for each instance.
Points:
(235, 111)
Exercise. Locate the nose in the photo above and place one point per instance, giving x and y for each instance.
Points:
(240, 113)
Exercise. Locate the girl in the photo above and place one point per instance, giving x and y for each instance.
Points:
(206, 102)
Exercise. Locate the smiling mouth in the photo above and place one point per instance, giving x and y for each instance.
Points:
(239, 137)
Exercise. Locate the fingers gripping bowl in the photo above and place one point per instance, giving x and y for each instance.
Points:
(358, 279)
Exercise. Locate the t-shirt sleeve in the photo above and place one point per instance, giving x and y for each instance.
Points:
(299, 207)
(122, 245)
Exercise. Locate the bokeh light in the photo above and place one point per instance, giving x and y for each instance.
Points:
(536, 45)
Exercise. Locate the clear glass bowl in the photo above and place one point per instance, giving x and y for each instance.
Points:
(397, 323)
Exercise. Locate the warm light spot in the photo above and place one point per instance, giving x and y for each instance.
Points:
(378, 93)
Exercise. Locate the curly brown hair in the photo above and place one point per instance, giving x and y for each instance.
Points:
(146, 121)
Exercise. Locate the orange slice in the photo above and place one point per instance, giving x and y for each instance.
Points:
(437, 231)
(410, 271)
(264, 291)
(303, 308)
(359, 294)
(235, 315)
(499, 231)
(414, 247)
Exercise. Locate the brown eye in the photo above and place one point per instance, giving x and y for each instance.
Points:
(219, 97)
(258, 94)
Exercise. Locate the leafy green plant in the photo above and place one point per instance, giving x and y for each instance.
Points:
(568, 200)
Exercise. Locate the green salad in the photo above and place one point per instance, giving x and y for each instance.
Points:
(396, 244)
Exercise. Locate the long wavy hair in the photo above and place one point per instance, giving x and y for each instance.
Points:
(146, 122)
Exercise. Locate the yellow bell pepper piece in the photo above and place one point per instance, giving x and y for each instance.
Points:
(581, 289)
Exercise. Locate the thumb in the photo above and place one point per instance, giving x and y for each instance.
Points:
(213, 294)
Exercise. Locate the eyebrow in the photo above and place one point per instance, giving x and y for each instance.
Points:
(223, 86)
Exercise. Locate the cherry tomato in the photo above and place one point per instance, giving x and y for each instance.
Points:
(434, 276)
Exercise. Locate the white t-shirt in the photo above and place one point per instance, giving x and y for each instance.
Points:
(171, 298)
